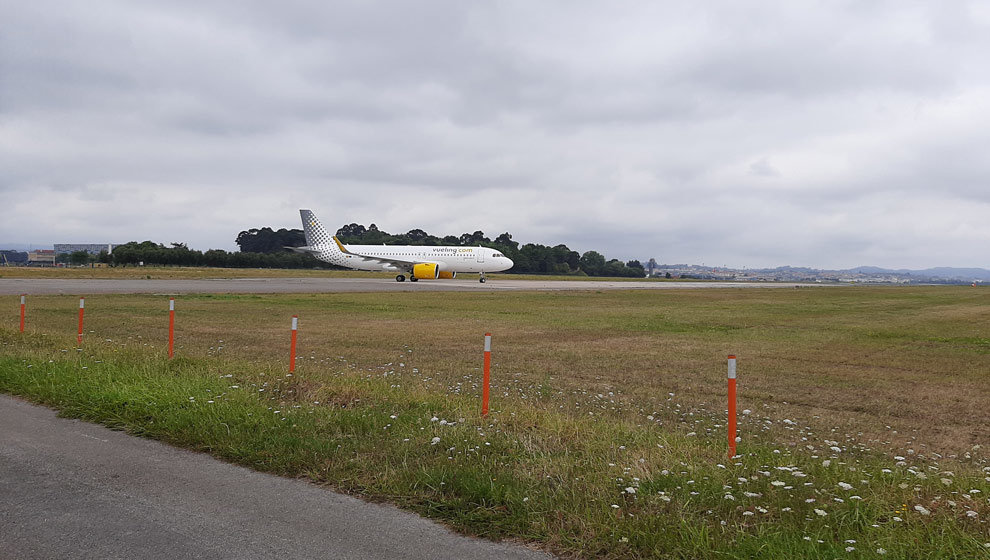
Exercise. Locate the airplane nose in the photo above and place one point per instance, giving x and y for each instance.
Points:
(508, 260)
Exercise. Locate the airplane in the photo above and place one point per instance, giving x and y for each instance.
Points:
(420, 262)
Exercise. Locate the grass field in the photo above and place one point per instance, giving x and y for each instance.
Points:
(177, 273)
(863, 410)
(188, 273)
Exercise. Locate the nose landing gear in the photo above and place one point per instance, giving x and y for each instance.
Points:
(482, 278)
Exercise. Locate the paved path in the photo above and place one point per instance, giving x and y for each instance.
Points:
(73, 490)
(40, 286)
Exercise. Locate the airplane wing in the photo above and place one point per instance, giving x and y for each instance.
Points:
(395, 261)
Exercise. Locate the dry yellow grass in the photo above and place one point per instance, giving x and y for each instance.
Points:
(914, 359)
(860, 408)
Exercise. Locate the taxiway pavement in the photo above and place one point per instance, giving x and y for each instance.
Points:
(50, 286)
(74, 490)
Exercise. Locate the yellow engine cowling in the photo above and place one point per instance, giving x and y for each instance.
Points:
(426, 271)
(447, 274)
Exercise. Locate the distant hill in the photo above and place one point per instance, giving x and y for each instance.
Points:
(943, 272)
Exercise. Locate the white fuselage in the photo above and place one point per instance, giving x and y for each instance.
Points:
(421, 262)
(450, 259)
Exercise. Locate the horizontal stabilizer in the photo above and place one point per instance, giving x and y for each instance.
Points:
(305, 249)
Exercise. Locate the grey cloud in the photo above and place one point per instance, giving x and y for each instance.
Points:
(758, 134)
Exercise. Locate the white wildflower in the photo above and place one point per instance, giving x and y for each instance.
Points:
(921, 509)
(435, 441)
(630, 490)
(845, 486)
(821, 512)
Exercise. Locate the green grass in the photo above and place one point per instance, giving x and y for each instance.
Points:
(582, 409)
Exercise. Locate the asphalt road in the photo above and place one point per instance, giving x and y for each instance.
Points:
(41, 286)
(74, 490)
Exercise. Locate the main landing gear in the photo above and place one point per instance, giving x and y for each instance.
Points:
(400, 278)
(482, 278)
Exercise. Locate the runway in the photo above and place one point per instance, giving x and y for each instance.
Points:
(49, 286)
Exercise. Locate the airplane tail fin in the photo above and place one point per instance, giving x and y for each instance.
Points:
(316, 234)
(319, 242)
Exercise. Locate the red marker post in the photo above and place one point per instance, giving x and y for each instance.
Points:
(487, 378)
(23, 304)
(732, 406)
(81, 307)
(171, 326)
(292, 345)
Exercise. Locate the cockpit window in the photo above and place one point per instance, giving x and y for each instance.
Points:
(498, 255)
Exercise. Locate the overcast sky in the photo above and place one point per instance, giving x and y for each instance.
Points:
(823, 134)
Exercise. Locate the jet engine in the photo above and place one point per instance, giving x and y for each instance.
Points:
(447, 274)
(426, 271)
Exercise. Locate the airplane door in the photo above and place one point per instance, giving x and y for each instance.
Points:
(481, 254)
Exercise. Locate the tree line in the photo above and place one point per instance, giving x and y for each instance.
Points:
(266, 248)
(530, 258)
(149, 252)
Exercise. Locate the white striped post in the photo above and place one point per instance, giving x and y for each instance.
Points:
(171, 326)
(732, 406)
(487, 375)
(82, 305)
(292, 345)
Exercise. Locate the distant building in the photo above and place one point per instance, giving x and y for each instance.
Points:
(41, 257)
(91, 248)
